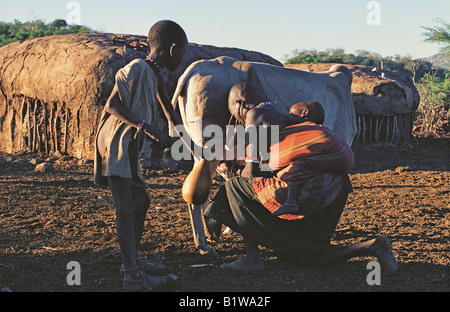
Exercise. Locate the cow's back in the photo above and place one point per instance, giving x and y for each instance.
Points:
(203, 89)
(332, 89)
(202, 93)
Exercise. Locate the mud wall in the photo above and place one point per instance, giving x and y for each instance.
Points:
(53, 89)
(385, 103)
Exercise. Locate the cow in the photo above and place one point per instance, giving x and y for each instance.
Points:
(202, 98)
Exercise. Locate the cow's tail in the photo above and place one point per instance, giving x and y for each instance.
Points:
(182, 83)
(179, 93)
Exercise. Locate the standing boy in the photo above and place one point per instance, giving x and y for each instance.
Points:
(128, 118)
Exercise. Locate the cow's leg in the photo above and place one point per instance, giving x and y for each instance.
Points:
(198, 229)
(197, 221)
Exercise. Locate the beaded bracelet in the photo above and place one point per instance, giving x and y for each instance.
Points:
(252, 160)
(141, 124)
(265, 104)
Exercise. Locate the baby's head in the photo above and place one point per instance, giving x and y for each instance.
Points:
(168, 38)
(310, 111)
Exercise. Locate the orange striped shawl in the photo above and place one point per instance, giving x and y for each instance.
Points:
(306, 149)
(311, 155)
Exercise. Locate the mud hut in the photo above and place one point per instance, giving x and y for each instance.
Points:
(385, 103)
(53, 89)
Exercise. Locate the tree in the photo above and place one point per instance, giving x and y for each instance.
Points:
(433, 113)
(10, 32)
(58, 24)
(415, 69)
(440, 35)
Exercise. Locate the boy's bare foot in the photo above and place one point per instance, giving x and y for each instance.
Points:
(245, 263)
(156, 281)
(150, 265)
(383, 249)
(139, 281)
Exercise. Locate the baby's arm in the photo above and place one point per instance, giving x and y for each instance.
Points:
(290, 206)
(293, 189)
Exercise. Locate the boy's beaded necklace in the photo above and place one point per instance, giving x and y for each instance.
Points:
(154, 63)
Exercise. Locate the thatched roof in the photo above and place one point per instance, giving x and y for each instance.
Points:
(373, 94)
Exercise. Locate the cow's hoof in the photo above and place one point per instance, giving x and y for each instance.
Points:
(211, 252)
(228, 231)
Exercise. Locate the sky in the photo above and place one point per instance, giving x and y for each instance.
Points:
(273, 27)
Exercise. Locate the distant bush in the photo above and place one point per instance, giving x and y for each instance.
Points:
(433, 113)
(415, 69)
(433, 84)
(10, 32)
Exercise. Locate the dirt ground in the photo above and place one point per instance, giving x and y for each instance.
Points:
(50, 219)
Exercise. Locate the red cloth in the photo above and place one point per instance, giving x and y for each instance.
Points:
(309, 154)
(306, 149)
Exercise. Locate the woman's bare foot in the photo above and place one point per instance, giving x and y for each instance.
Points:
(245, 263)
(383, 250)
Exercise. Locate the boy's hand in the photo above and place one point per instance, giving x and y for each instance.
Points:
(163, 139)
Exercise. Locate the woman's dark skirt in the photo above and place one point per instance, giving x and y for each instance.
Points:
(236, 206)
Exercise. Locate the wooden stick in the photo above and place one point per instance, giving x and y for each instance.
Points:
(65, 129)
(29, 124)
(45, 128)
(38, 133)
(22, 119)
(381, 125)
(34, 126)
(387, 129)
(359, 128)
(395, 130)
(364, 129)
(376, 129)
(51, 128)
(55, 132)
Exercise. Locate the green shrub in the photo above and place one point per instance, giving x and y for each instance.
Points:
(433, 113)
(415, 69)
(10, 32)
